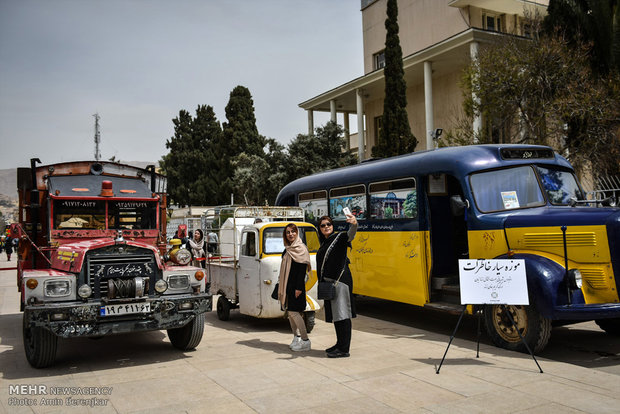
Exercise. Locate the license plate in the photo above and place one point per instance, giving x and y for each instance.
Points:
(125, 309)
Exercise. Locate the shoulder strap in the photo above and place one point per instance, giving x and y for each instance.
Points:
(329, 249)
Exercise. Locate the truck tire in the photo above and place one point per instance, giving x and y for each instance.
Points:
(189, 336)
(309, 320)
(39, 344)
(223, 308)
(611, 326)
(534, 328)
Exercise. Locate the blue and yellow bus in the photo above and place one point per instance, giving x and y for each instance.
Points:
(420, 213)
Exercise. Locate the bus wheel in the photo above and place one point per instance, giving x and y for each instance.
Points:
(309, 321)
(188, 336)
(39, 344)
(223, 308)
(534, 328)
(611, 326)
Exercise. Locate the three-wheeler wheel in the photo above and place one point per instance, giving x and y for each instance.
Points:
(309, 320)
(223, 308)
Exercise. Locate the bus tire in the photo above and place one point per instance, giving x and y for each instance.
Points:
(309, 319)
(188, 337)
(611, 326)
(223, 308)
(535, 328)
(39, 344)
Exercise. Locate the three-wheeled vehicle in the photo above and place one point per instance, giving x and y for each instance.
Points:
(245, 267)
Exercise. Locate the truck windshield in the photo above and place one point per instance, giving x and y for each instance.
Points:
(91, 215)
(506, 189)
(274, 244)
(560, 186)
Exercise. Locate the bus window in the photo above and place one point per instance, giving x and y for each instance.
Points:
(506, 189)
(314, 204)
(353, 197)
(393, 199)
(560, 186)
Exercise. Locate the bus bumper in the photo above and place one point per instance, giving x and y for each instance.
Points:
(583, 312)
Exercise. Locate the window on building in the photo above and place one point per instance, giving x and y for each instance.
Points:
(492, 21)
(379, 59)
(353, 197)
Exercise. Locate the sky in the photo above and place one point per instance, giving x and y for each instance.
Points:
(137, 63)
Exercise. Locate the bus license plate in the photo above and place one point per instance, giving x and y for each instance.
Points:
(125, 309)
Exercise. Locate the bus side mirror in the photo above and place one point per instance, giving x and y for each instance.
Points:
(458, 205)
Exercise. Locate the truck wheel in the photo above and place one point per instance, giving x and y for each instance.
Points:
(39, 344)
(534, 328)
(189, 336)
(309, 321)
(611, 326)
(223, 309)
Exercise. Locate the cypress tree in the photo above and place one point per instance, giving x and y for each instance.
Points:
(396, 137)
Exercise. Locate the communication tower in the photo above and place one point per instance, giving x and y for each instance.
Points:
(97, 137)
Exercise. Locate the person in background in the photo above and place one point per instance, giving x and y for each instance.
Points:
(198, 247)
(292, 285)
(332, 263)
(212, 242)
(8, 248)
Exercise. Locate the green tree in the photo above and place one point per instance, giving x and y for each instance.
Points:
(533, 91)
(309, 154)
(240, 135)
(189, 162)
(396, 137)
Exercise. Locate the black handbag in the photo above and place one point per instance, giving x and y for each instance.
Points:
(326, 291)
(274, 294)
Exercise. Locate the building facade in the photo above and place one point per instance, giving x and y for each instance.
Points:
(439, 38)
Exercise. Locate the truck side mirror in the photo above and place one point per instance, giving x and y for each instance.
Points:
(458, 205)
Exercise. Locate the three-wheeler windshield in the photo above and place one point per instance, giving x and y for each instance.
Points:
(273, 243)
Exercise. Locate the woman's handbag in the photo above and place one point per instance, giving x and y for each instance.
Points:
(274, 294)
(327, 290)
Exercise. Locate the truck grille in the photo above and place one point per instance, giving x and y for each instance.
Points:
(125, 271)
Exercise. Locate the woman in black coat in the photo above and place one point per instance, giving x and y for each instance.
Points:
(292, 285)
(332, 264)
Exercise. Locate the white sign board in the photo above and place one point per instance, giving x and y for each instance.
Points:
(493, 282)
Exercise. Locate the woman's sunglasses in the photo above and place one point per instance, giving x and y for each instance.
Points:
(326, 225)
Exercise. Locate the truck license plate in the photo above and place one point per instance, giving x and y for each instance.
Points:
(125, 309)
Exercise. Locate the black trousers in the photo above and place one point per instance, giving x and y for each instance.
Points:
(343, 334)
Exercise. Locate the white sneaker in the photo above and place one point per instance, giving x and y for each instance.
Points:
(301, 346)
(296, 340)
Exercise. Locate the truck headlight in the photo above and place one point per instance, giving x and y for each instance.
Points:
(161, 286)
(57, 288)
(574, 279)
(178, 281)
(85, 291)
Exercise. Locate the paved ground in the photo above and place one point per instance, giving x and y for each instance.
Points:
(244, 366)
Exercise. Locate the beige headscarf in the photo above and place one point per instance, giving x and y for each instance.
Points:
(298, 252)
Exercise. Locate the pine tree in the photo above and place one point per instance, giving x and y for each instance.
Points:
(396, 137)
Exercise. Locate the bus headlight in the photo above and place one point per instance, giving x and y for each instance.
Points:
(574, 279)
(85, 291)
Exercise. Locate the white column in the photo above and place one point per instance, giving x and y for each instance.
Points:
(332, 109)
(428, 104)
(477, 125)
(360, 126)
(347, 134)
(310, 122)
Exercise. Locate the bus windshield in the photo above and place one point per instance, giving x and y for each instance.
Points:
(560, 186)
(506, 189)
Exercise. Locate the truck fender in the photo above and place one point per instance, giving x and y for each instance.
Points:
(544, 280)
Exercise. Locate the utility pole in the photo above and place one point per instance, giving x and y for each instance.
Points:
(97, 137)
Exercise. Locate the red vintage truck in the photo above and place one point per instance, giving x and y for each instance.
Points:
(93, 259)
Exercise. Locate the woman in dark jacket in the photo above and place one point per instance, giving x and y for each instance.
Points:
(292, 285)
(332, 264)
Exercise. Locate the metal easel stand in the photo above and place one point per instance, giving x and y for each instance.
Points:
(478, 310)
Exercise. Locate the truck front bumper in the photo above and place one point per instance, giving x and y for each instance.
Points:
(86, 319)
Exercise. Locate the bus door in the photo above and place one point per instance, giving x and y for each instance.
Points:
(448, 234)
